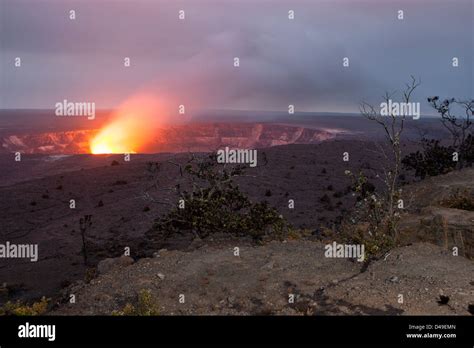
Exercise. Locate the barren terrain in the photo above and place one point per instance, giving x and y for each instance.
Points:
(261, 279)
(297, 161)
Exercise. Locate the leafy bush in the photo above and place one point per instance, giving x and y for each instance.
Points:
(146, 306)
(460, 200)
(375, 244)
(21, 309)
(360, 185)
(215, 204)
(370, 223)
(435, 159)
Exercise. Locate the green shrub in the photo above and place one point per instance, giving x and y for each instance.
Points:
(146, 305)
(463, 200)
(370, 222)
(21, 309)
(435, 159)
(215, 204)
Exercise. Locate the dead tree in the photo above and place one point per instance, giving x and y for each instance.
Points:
(84, 223)
(459, 126)
(393, 126)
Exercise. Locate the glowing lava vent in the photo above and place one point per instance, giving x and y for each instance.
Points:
(130, 129)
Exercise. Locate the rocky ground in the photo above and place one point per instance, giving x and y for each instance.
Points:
(435, 211)
(262, 279)
(34, 208)
(36, 193)
(418, 279)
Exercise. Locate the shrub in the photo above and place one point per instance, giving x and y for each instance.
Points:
(370, 223)
(360, 185)
(215, 204)
(297, 234)
(375, 245)
(460, 200)
(20, 309)
(435, 159)
(146, 305)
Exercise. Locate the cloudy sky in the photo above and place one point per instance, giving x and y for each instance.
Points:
(282, 61)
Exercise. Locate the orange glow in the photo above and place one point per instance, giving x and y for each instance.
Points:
(131, 128)
(114, 138)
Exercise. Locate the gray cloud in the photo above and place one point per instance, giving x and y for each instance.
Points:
(282, 61)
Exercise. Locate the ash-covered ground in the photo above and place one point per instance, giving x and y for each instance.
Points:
(124, 198)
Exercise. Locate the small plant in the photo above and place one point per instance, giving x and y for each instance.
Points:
(376, 245)
(393, 126)
(460, 200)
(214, 204)
(21, 309)
(370, 223)
(297, 234)
(146, 306)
